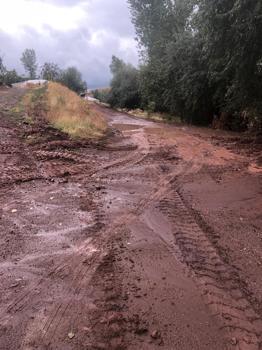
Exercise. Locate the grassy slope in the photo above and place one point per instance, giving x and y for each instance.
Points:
(71, 114)
(65, 110)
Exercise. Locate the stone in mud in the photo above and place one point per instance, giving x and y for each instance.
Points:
(155, 334)
(71, 335)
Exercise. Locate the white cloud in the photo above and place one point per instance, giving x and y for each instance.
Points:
(15, 15)
(84, 33)
(98, 38)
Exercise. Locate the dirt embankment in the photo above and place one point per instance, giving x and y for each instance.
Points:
(150, 239)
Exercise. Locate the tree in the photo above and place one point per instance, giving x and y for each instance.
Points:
(201, 57)
(51, 71)
(158, 22)
(233, 31)
(124, 91)
(72, 78)
(2, 71)
(163, 28)
(8, 77)
(2, 67)
(11, 77)
(69, 77)
(29, 61)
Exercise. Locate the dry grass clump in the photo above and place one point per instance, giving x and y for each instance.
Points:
(71, 114)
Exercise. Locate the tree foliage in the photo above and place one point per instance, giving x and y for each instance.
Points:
(2, 67)
(2, 71)
(12, 77)
(72, 78)
(201, 57)
(8, 77)
(69, 77)
(51, 71)
(29, 62)
(124, 91)
(232, 31)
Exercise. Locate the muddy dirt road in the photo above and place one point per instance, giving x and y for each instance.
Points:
(148, 239)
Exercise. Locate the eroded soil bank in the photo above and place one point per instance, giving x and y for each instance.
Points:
(150, 238)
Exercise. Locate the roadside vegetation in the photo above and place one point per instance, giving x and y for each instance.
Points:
(201, 60)
(64, 110)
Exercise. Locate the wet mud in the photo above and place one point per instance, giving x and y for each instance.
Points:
(147, 239)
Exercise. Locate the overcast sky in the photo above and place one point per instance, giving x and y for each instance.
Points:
(82, 33)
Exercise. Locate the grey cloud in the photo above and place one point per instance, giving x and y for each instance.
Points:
(110, 18)
(111, 14)
(63, 2)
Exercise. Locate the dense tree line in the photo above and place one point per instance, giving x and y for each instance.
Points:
(70, 77)
(200, 59)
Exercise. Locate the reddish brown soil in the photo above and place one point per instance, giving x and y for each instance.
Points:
(150, 238)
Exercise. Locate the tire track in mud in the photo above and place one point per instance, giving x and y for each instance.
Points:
(81, 264)
(75, 261)
(55, 319)
(21, 301)
(50, 321)
(216, 280)
(71, 259)
(64, 315)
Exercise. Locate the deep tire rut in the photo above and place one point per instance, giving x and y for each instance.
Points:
(217, 280)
